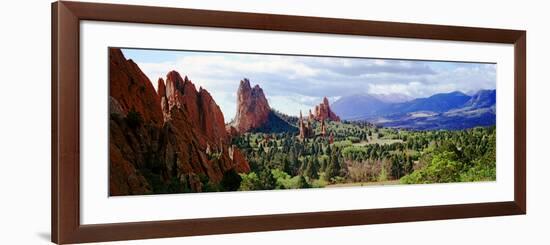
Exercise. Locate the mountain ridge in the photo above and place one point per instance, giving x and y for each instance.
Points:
(453, 110)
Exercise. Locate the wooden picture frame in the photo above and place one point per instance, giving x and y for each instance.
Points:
(66, 226)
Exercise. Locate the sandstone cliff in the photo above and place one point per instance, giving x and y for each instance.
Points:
(252, 107)
(254, 113)
(132, 89)
(172, 140)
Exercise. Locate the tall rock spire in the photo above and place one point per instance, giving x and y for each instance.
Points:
(252, 107)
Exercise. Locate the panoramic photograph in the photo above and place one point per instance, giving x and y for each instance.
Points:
(204, 121)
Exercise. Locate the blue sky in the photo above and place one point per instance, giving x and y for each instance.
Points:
(294, 83)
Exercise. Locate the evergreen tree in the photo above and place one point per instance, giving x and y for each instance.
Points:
(333, 168)
(286, 165)
(267, 180)
(311, 170)
(302, 182)
(323, 166)
(329, 150)
(303, 165)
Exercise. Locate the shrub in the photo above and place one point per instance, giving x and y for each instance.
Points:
(480, 172)
(267, 180)
(342, 144)
(282, 179)
(354, 139)
(444, 168)
(250, 182)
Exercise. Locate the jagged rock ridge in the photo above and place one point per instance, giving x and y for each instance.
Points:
(172, 140)
(323, 112)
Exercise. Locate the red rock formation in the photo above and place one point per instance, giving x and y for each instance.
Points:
(161, 88)
(181, 93)
(323, 112)
(252, 107)
(132, 89)
(310, 116)
(211, 119)
(239, 160)
(232, 131)
(305, 129)
(161, 91)
(168, 133)
(198, 123)
(199, 107)
(124, 179)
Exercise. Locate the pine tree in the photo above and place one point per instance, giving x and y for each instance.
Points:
(329, 150)
(323, 166)
(286, 165)
(303, 165)
(333, 168)
(311, 170)
(267, 180)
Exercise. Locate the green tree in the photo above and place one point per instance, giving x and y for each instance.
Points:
(323, 166)
(444, 168)
(311, 170)
(286, 165)
(267, 180)
(302, 182)
(250, 182)
(333, 168)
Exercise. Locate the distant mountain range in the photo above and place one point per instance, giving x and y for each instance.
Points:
(455, 110)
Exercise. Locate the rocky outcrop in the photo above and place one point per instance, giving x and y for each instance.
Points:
(305, 129)
(241, 165)
(232, 131)
(161, 91)
(323, 112)
(199, 107)
(171, 140)
(129, 150)
(252, 107)
(211, 119)
(132, 89)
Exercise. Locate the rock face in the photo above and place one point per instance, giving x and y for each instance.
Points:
(169, 141)
(200, 108)
(132, 101)
(323, 112)
(252, 107)
(132, 89)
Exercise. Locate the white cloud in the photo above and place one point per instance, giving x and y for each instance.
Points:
(294, 83)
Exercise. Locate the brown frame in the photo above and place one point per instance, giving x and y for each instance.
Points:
(66, 227)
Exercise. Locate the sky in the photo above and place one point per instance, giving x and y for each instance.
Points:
(293, 83)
